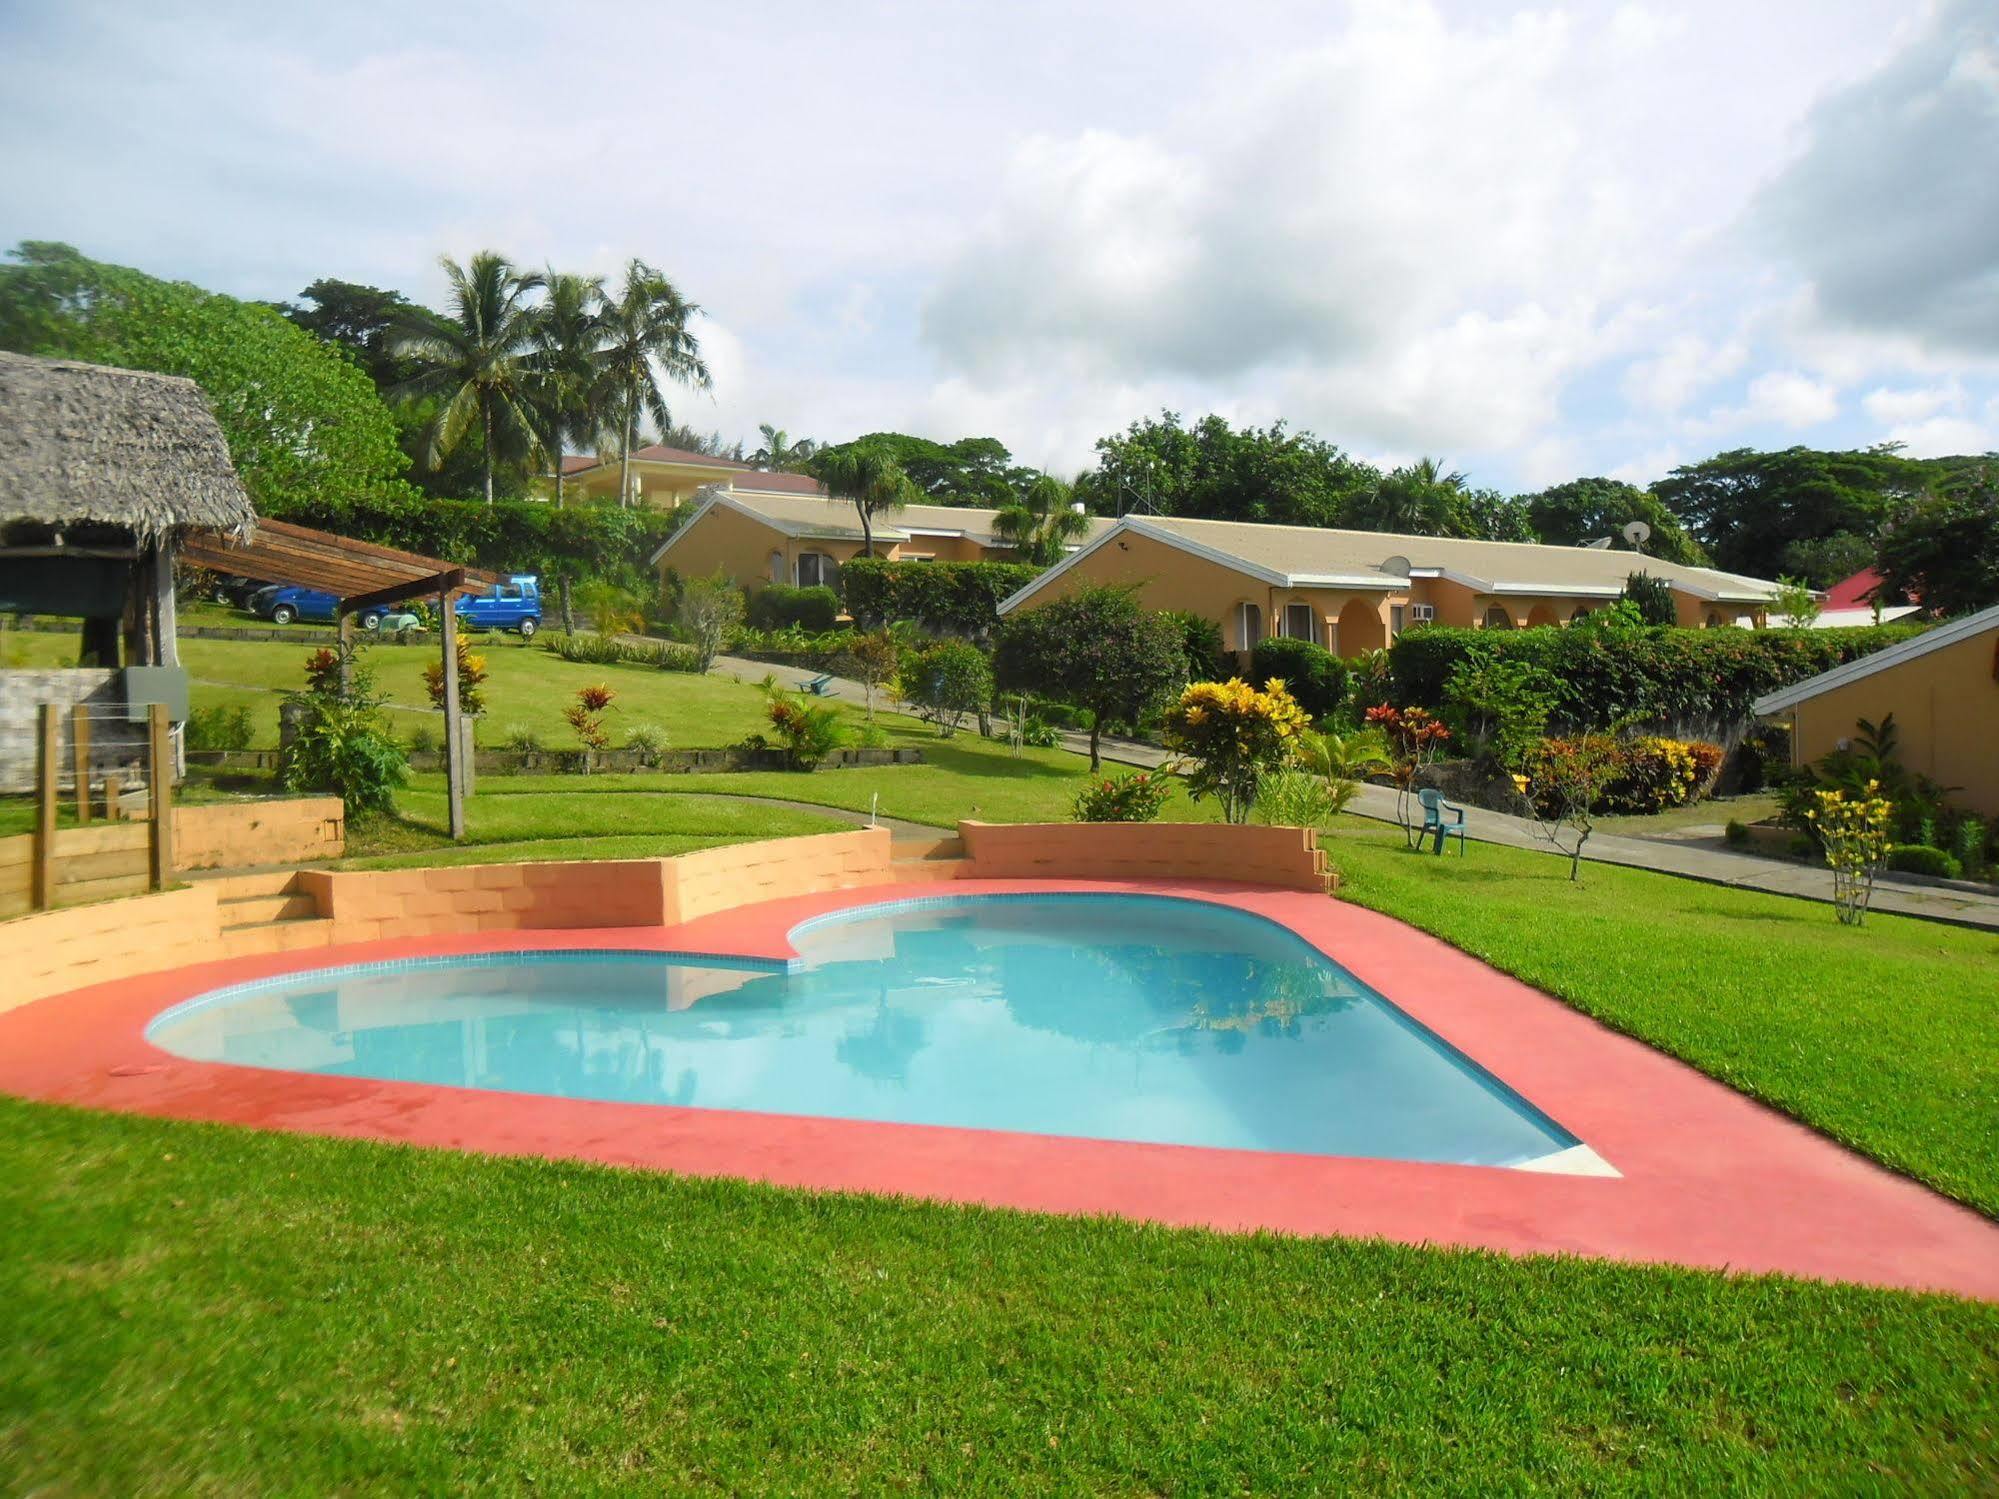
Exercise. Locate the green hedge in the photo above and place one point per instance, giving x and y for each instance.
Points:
(1317, 678)
(1652, 675)
(951, 598)
(581, 542)
(778, 606)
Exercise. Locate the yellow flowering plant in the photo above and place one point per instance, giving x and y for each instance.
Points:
(1230, 736)
(1855, 828)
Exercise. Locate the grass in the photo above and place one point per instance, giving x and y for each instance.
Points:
(198, 1309)
(1882, 1036)
(1753, 807)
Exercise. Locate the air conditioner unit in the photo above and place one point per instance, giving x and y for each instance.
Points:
(1422, 612)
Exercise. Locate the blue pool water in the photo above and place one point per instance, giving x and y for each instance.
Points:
(1104, 1016)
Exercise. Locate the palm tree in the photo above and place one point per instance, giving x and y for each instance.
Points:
(867, 474)
(779, 454)
(475, 360)
(568, 332)
(1418, 499)
(1042, 521)
(646, 339)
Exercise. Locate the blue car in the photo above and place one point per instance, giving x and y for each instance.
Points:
(514, 605)
(282, 603)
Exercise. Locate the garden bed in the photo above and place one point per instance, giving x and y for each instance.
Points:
(587, 762)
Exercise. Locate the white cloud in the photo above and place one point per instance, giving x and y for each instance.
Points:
(1900, 407)
(1681, 370)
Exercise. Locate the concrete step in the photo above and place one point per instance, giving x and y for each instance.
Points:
(258, 910)
(233, 885)
(927, 870)
(276, 936)
(950, 846)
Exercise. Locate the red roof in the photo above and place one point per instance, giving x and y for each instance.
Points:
(774, 483)
(572, 462)
(660, 453)
(1856, 592)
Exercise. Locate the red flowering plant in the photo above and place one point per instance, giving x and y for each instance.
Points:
(586, 717)
(1417, 738)
(1139, 797)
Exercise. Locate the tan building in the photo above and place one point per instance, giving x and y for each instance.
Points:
(665, 478)
(802, 539)
(1354, 591)
(1942, 687)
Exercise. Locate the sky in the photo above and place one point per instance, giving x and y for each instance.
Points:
(1535, 242)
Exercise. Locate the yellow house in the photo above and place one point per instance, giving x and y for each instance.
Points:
(1942, 687)
(758, 537)
(665, 478)
(1354, 591)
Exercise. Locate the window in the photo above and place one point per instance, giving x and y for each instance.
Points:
(1395, 619)
(1497, 618)
(1713, 620)
(775, 569)
(1298, 622)
(816, 570)
(1249, 626)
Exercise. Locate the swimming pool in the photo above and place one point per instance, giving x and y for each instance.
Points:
(1112, 1017)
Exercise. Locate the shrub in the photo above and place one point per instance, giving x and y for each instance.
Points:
(1200, 644)
(340, 742)
(807, 732)
(709, 608)
(1607, 677)
(1969, 845)
(1918, 858)
(1234, 734)
(944, 681)
(950, 598)
(1640, 774)
(779, 605)
(612, 610)
(1652, 597)
(218, 727)
(1315, 676)
(1501, 707)
(603, 650)
(423, 740)
(522, 738)
(1736, 833)
(471, 681)
(586, 716)
(1294, 799)
(1138, 797)
(1853, 830)
(647, 742)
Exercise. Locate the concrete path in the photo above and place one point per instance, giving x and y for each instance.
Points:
(1676, 856)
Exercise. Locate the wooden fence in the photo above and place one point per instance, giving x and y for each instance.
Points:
(58, 866)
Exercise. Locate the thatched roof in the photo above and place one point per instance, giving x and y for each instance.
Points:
(84, 443)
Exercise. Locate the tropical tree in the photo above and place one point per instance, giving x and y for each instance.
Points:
(779, 454)
(1041, 522)
(866, 474)
(1418, 499)
(568, 333)
(646, 341)
(475, 359)
(1944, 551)
(1098, 650)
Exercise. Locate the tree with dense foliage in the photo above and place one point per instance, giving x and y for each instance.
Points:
(1746, 507)
(1825, 560)
(709, 608)
(866, 474)
(1586, 510)
(302, 419)
(362, 319)
(779, 453)
(1417, 499)
(646, 340)
(568, 333)
(971, 471)
(475, 360)
(1097, 650)
(1943, 550)
(1315, 676)
(946, 681)
(1216, 472)
(1794, 606)
(1042, 522)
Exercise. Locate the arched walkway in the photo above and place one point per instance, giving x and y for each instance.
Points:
(1497, 618)
(1360, 628)
(1542, 614)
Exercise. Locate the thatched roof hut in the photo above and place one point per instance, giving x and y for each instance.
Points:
(85, 445)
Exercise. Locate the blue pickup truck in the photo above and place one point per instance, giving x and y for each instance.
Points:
(514, 605)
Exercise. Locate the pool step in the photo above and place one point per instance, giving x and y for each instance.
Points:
(266, 912)
(257, 910)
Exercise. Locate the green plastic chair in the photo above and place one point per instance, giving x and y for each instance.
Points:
(1435, 824)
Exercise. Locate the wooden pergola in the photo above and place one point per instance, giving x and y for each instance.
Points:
(363, 576)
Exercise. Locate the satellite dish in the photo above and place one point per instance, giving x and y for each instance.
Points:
(1638, 533)
(1399, 566)
(1601, 543)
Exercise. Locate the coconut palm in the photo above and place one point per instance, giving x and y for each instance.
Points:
(867, 474)
(779, 454)
(1418, 499)
(475, 360)
(646, 340)
(1042, 522)
(568, 332)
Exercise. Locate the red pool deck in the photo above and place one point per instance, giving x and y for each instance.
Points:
(1707, 1178)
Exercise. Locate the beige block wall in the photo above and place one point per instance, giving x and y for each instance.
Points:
(1288, 858)
(293, 831)
(1946, 707)
(54, 951)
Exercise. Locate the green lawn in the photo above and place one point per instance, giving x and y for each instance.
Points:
(198, 1309)
(1882, 1035)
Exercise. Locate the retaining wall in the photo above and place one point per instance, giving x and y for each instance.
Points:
(1286, 857)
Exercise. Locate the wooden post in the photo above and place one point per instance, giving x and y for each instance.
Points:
(47, 763)
(79, 752)
(454, 790)
(114, 791)
(345, 625)
(160, 777)
(166, 620)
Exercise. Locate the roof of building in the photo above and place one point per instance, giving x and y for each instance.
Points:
(1966, 627)
(1315, 556)
(1856, 592)
(809, 516)
(83, 443)
(770, 481)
